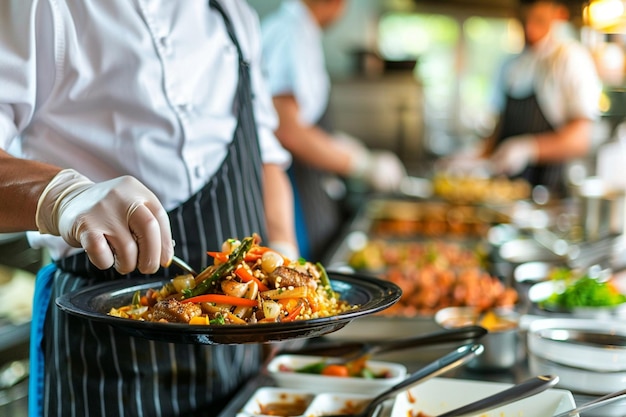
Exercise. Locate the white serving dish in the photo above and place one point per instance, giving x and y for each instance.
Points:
(321, 383)
(316, 404)
(269, 395)
(582, 343)
(439, 395)
(577, 379)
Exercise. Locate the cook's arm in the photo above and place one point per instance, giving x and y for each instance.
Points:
(21, 184)
(279, 213)
(573, 140)
(118, 222)
(309, 144)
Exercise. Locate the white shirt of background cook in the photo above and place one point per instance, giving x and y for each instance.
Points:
(294, 61)
(562, 75)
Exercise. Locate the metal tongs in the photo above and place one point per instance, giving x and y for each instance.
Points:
(183, 265)
(446, 363)
(341, 352)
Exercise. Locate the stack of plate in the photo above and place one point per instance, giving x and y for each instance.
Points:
(588, 355)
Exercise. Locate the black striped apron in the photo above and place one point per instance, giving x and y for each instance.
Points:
(524, 116)
(92, 369)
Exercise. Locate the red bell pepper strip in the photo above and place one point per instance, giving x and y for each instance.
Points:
(246, 276)
(256, 253)
(219, 256)
(222, 299)
(294, 313)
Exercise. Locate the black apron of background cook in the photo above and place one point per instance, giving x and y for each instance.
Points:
(322, 215)
(524, 116)
(93, 369)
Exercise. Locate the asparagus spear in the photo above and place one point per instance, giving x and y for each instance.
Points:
(227, 267)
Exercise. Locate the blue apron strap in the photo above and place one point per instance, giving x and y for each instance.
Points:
(41, 300)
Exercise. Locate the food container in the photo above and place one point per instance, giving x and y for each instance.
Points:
(502, 347)
(273, 401)
(588, 355)
(439, 395)
(577, 379)
(283, 370)
(589, 344)
(601, 209)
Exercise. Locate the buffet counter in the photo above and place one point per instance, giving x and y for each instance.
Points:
(437, 231)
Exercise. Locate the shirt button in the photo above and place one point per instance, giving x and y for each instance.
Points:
(198, 171)
(166, 44)
(185, 108)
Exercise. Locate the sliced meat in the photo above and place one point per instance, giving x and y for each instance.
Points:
(283, 277)
(174, 311)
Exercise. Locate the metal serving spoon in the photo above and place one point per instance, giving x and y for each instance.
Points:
(517, 392)
(598, 402)
(442, 365)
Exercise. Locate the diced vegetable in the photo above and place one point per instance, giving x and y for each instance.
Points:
(336, 370)
(271, 309)
(200, 320)
(295, 312)
(246, 276)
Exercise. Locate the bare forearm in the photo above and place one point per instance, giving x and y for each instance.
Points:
(571, 141)
(309, 144)
(278, 198)
(21, 184)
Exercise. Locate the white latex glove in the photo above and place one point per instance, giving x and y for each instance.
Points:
(381, 170)
(514, 154)
(118, 222)
(384, 171)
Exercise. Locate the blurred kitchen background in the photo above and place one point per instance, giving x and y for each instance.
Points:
(411, 76)
(416, 76)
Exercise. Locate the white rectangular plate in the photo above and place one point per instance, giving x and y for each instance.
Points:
(439, 395)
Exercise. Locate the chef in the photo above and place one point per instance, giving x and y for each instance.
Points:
(548, 102)
(142, 123)
(299, 82)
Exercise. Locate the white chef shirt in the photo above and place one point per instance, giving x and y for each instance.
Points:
(138, 87)
(294, 59)
(562, 75)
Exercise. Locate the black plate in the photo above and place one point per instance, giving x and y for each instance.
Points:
(93, 303)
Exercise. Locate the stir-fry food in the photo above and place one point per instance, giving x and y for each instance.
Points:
(355, 369)
(248, 283)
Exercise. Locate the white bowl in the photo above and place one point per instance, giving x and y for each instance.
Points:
(576, 379)
(581, 343)
(439, 395)
(322, 383)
